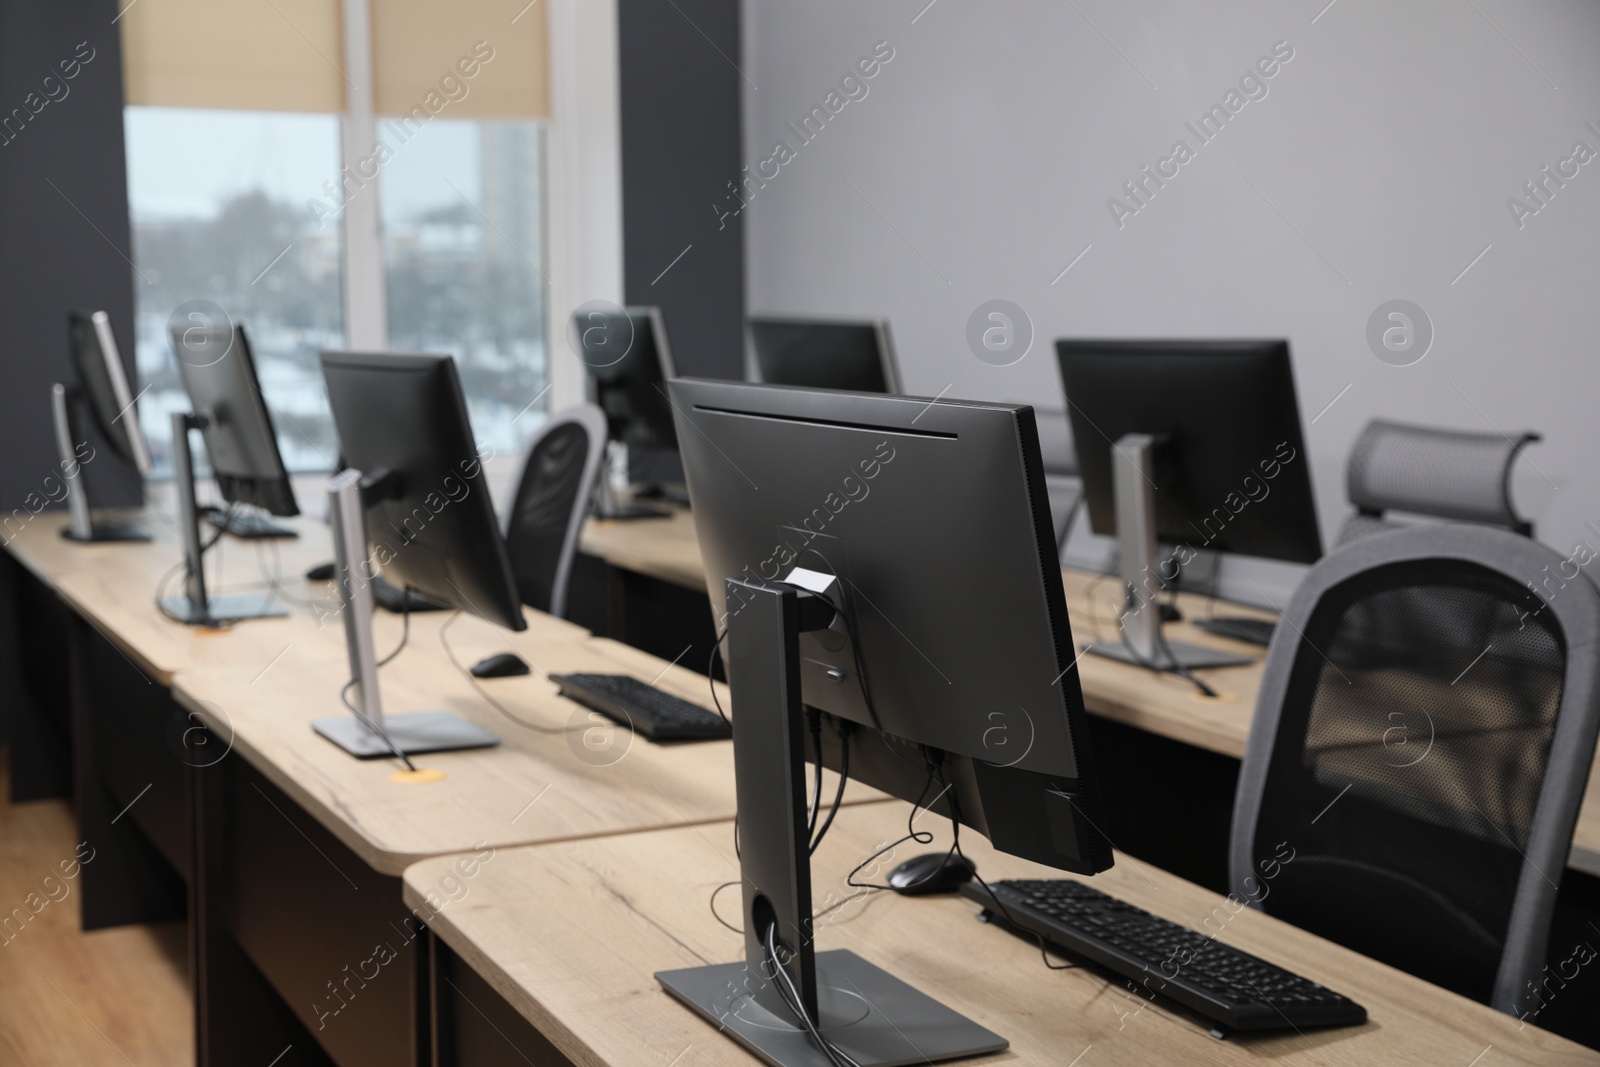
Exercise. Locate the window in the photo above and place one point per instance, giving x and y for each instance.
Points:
(244, 204)
(218, 205)
(462, 230)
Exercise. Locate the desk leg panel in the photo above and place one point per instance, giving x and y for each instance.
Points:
(329, 934)
(129, 880)
(137, 733)
(1169, 803)
(239, 1018)
(33, 642)
(474, 1026)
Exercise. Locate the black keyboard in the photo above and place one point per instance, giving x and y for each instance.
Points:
(246, 524)
(1234, 989)
(1255, 631)
(659, 716)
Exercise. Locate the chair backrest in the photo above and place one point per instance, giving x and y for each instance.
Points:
(1411, 791)
(1445, 474)
(551, 502)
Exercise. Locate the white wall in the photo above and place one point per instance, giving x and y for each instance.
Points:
(1390, 145)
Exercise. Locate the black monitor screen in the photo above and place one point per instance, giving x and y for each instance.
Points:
(930, 516)
(104, 382)
(824, 355)
(402, 422)
(219, 374)
(1231, 470)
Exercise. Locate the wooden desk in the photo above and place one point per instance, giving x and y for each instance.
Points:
(557, 946)
(661, 548)
(284, 852)
(584, 779)
(101, 716)
(300, 846)
(1164, 705)
(667, 550)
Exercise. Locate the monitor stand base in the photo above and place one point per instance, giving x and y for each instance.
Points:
(867, 1013)
(631, 511)
(109, 531)
(412, 733)
(1192, 657)
(253, 529)
(229, 608)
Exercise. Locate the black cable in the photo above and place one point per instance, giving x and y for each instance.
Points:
(183, 565)
(1176, 668)
(844, 777)
(714, 913)
(921, 837)
(405, 629)
(955, 849)
(489, 699)
(711, 678)
(814, 718)
(344, 695)
(275, 580)
(161, 591)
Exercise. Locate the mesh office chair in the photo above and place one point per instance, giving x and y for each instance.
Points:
(1427, 779)
(552, 500)
(1446, 474)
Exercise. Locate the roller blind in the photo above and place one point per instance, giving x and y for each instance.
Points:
(484, 58)
(265, 55)
(454, 58)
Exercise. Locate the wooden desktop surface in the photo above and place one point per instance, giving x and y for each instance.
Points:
(571, 935)
(584, 778)
(667, 549)
(1162, 704)
(259, 683)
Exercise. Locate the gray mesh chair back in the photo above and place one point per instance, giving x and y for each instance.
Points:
(1411, 792)
(552, 499)
(1445, 474)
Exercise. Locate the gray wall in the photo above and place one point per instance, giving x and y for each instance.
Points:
(63, 231)
(1377, 166)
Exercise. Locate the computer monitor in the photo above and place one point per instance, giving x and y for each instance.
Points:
(820, 354)
(413, 503)
(626, 354)
(102, 387)
(949, 663)
(228, 409)
(219, 374)
(1195, 444)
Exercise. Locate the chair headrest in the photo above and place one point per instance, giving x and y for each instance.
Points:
(1447, 474)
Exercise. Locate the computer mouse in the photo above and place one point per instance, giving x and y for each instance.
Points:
(935, 872)
(500, 665)
(322, 572)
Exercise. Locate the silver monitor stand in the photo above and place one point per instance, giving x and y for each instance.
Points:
(195, 606)
(1134, 490)
(82, 526)
(864, 1011)
(369, 733)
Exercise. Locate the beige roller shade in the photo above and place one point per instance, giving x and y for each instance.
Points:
(468, 53)
(266, 55)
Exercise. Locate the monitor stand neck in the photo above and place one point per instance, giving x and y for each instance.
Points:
(369, 733)
(606, 503)
(865, 1011)
(349, 523)
(196, 607)
(64, 400)
(1134, 493)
